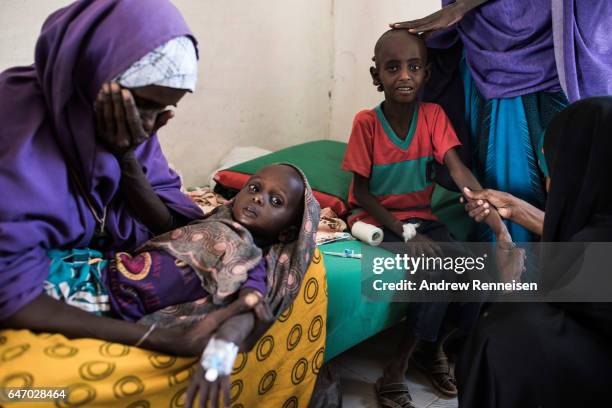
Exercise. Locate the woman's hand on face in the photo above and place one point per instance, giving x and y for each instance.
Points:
(441, 19)
(480, 203)
(209, 391)
(118, 123)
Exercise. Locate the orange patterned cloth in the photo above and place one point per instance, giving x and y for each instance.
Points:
(280, 371)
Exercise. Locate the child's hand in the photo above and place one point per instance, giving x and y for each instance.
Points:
(252, 299)
(421, 244)
(210, 391)
(510, 262)
(480, 203)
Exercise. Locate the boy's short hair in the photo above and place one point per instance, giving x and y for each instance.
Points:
(381, 40)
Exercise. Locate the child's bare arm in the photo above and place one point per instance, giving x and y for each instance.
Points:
(373, 207)
(421, 243)
(463, 177)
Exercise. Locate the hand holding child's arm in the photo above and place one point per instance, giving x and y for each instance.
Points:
(507, 205)
(464, 178)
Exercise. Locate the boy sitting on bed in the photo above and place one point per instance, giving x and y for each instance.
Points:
(388, 152)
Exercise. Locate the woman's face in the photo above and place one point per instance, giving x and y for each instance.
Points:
(152, 102)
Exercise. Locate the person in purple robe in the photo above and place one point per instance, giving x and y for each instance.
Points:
(79, 154)
(504, 69)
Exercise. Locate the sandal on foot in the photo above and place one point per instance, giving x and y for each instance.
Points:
(438, 370)
(393, 395)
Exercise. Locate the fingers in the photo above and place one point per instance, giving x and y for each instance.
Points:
(133, 118)
(225, 387)
(162, 119)
(412, 25)
(480, 212)
(192, 391)
(204, 389)
(118, 110)
(122, 136)
(435, 249)
(99, 112)
(214, 394)
(107, 109)
(263, 311)
(476, 195)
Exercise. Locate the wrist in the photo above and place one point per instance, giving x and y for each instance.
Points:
(218, 358)
(397, 227)
(164, 340)
(125, 155)
(503, 236)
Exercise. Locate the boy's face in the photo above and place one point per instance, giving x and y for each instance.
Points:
(268, 203)
(401, 66)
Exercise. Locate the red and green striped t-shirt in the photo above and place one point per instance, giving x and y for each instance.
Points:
(397, 168)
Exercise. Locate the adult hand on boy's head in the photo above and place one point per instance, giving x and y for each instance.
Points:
(421, 244)
(118, 123)
(441, 19)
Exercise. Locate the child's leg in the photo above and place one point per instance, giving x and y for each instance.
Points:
(422, 324)
(395, 369)
(432, 357)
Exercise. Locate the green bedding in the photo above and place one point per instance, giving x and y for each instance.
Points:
(323, 174)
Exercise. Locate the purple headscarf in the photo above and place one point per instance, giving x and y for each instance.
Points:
(511, 50)
(48, 127)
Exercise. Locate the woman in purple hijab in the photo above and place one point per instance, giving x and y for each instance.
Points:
(79, 128)
(516, 63)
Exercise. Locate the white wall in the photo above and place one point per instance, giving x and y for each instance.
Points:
(273, 73)
(357, 26)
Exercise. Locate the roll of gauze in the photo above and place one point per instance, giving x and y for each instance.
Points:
(367, 233)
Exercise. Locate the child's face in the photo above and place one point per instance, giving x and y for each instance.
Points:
(401, 66)
(268, 203)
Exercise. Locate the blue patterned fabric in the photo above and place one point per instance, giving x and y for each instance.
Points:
(75, 277)
(507, 136)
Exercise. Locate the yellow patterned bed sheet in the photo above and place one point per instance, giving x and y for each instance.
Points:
(280, 371)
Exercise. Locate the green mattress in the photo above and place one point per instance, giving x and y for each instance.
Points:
(319, 160)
